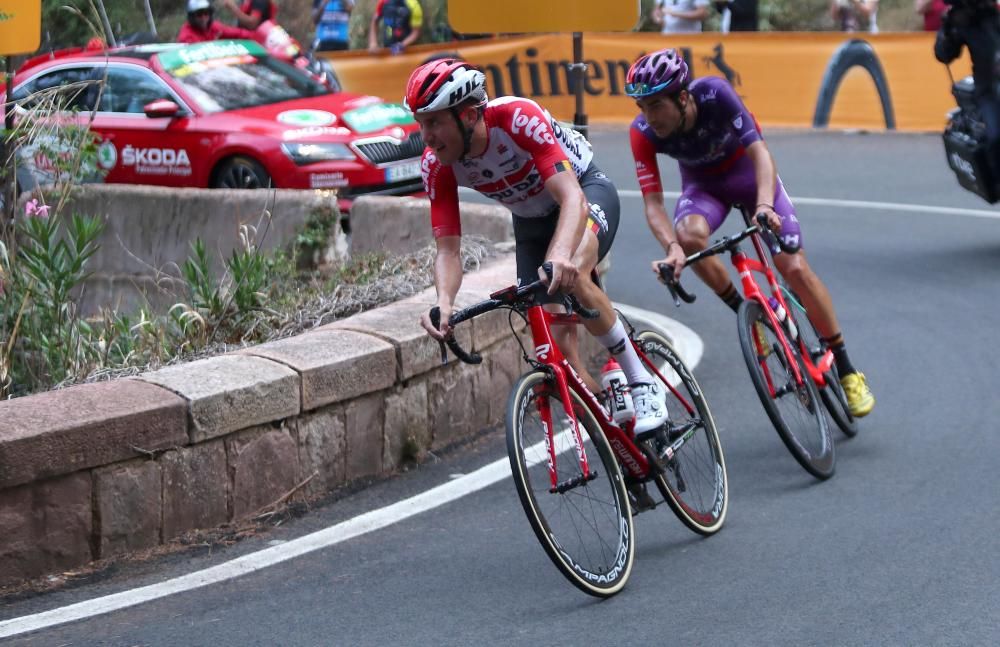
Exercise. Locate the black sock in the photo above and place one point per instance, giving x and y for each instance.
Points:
(836, 344)
(731, 297)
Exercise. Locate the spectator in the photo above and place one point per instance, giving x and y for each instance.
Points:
(332, 18)
(252, 13)
(930, 11)
(202, 26)
(850, 15)
(400, 20)
(737, 15)
(680, 16)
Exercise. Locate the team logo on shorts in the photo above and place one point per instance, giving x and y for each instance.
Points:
(598, 217)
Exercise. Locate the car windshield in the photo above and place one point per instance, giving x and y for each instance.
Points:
(244, 81)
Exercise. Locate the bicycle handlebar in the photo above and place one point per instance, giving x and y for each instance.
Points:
(511, 297)
(677, 291)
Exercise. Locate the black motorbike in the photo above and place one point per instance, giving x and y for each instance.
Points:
(966, 144)
(970, 144)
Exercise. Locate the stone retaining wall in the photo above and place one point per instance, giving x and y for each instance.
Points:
(98, 470)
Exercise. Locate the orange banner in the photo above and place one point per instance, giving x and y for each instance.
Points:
(881, 81)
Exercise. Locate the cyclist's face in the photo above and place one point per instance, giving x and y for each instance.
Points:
(661, 114)
(441, 135)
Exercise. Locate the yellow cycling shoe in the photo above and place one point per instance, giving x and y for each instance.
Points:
(860, 400)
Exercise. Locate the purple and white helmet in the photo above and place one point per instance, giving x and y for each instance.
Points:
(660, 71)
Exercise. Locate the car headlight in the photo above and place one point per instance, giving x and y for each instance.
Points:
(308, 153)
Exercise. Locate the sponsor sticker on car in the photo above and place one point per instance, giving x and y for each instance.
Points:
(327, 180)
(306, 118)
(378, 116)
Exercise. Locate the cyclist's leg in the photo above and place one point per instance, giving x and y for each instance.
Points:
(818, 303)
(697, 215)
(602, 225)
(532, 237)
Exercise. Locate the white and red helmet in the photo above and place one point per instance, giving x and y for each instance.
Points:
(443, 84)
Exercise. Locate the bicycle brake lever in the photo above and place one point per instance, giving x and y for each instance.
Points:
(435, 315)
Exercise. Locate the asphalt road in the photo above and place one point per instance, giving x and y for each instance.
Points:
(902, 546)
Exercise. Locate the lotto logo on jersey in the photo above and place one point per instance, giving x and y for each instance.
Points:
(533, 127)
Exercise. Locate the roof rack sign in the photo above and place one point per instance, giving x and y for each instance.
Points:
(20, 26)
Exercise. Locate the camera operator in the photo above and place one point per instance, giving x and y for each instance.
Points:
(976, 25)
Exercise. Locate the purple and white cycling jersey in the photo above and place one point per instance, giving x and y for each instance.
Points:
(715, 171)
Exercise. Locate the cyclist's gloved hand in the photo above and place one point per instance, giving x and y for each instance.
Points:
(773, 219)
(675, 258)
(564, 275)
(437, 333)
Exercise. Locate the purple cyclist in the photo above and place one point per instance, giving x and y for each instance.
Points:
(723, 162)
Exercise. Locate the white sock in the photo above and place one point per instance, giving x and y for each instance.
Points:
(617, 343)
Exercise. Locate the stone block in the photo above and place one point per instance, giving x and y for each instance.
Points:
(64, 431)
(451, 404)
(231, 392)
(195, 488)
(322, 437)
(365, 418)
(129, 507)
(264, 466)
(407, 431)
(400, 225)
(399, 324)
(46, 527)
(335, 365)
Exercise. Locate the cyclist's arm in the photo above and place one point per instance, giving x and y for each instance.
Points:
(446, 225)
(767, 177)
(565, 188)
(648, 173)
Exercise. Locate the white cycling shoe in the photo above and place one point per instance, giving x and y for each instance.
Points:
(650, 407)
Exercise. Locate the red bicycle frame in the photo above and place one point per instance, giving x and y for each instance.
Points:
(746, 266)
(566, 379)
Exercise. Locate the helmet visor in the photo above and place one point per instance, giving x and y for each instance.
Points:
(644, 89)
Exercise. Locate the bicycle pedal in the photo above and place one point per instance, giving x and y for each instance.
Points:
(639, 498)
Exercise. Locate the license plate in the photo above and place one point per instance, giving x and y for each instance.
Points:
(402, 172)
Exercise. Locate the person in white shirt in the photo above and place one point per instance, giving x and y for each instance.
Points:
(680, 16)
(850, 15)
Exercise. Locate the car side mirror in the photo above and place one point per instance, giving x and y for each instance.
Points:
(161, 108)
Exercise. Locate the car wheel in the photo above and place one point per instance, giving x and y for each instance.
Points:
(241, 173)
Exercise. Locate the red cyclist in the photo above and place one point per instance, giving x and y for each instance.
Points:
(565, 209)
(723, 161)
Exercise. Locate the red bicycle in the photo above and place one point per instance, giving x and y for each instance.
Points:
(579, 475)
(790, 368)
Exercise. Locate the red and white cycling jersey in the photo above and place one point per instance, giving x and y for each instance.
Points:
(525, 147)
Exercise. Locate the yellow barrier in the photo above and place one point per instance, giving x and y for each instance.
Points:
(787, 79)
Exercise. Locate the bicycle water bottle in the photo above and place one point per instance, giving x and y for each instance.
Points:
(619, 394)
(786, 321)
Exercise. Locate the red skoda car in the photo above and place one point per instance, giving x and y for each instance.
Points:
(227, 114)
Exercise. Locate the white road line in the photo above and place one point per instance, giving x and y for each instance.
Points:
(862, 204)
(686, 342)
(847, 204)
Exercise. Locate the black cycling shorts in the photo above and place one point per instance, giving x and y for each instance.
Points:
(533, 235)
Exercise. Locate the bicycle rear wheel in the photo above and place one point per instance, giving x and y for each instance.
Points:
(585, 526)
(793, 408)
(833, 395)
(694, 485)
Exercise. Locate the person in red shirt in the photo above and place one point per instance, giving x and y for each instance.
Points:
(252, 13)
(565, 209)
(931, 11)
(201, 25)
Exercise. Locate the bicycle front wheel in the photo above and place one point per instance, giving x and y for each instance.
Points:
(694, 484)
(584, 525)
(793, 408)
